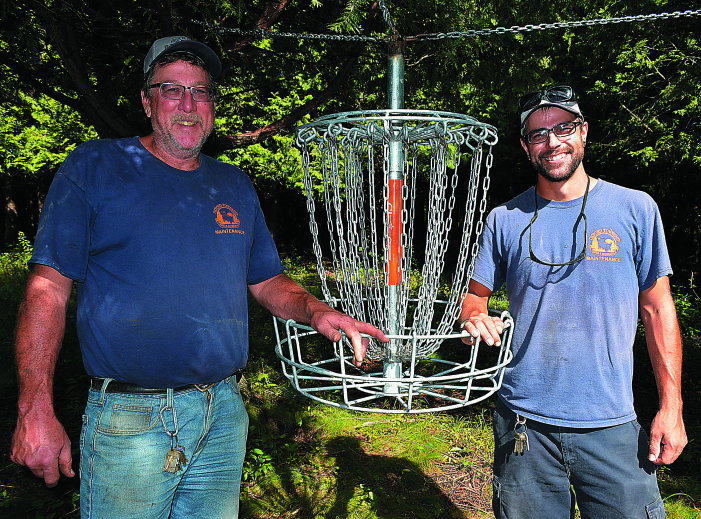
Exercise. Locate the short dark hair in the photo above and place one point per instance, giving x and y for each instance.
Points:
(172, 58)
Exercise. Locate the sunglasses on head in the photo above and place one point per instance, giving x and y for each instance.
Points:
(556, 94)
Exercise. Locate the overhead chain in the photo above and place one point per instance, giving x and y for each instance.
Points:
(263, 34)
(558, 25)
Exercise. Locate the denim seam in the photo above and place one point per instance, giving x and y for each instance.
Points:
(93, 450)
(208, 410)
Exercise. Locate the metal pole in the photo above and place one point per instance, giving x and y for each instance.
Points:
(395, 97)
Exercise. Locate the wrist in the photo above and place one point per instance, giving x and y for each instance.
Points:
(35, 404)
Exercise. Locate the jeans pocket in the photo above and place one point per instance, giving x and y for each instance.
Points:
(125, 419)
(655, 510)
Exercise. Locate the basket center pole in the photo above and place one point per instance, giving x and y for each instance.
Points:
(395, 96)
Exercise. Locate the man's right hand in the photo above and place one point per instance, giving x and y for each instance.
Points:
(40, 441)
(42, 445)
(475, 318)
(485, 326)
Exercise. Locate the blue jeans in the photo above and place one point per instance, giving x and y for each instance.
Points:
(123, 448)
(605, 471)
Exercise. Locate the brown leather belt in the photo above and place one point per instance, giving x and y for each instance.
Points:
(117, 386)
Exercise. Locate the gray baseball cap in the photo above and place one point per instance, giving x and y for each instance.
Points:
(561, 96)
(165, 46)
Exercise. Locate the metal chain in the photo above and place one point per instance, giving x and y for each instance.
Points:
(357, 204)
(388, 20)
(263, 34)
(313, 226)
(558, 25)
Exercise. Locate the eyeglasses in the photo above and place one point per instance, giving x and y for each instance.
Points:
(176, 92)
(556, 94)
(582, 216)
(561, 131)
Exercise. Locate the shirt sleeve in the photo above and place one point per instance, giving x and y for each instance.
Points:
(265, 261)
(487, 264)
(652, 257)
(63, 236)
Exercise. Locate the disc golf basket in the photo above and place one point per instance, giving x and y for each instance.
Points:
(362, 172)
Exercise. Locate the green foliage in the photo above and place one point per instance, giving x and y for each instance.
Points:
(258, 464)
(638, 82)
(352, 18)
(499, 300)
(688, 305)
(37, 134)
(278, 159)
(13, 278)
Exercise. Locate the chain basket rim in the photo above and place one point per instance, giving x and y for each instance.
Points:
(392, 121)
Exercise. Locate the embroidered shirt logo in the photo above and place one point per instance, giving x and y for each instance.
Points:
(227, 219)
(603, 245)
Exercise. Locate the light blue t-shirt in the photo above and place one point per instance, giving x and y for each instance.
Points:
(574, 325)
(162, 257)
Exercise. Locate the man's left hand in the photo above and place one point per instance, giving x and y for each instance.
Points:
(330, 323)
(667, 437)
(288, 300)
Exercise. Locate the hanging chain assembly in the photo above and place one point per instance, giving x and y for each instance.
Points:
(393, 34)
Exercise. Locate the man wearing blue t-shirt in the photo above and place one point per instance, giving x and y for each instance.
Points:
(163, 243)
(578, 256)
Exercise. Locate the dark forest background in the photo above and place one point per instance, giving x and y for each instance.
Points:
(71, 71)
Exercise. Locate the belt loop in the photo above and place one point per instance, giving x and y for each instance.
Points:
(103, 389)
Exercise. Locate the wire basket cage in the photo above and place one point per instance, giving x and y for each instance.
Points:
(399, 215)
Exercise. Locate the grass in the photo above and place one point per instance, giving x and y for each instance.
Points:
(328, 462)
(307, 460)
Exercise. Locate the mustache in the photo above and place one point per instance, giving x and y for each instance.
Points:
(563, 147)
(186, 118)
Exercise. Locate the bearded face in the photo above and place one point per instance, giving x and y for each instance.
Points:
(558, 158)
(180, 127)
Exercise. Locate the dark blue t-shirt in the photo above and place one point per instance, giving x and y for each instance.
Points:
(574, 325)
(162, 257)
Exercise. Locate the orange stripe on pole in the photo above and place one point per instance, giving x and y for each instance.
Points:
(395, 229)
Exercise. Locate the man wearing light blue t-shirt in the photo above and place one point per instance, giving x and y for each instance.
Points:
(578, 256)
(164, 244)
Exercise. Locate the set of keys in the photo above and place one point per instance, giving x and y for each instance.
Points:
(175, 458)
(521, 437)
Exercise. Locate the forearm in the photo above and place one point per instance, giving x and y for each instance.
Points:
(39, 335)
(475, 301)
(286, 299)
(667, 432)
(665, 349)
(40, 441)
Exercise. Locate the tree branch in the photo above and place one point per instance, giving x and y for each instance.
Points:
(29, 77)
(247, 139)
(271, 12)
(106, 121)
(165, 15)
